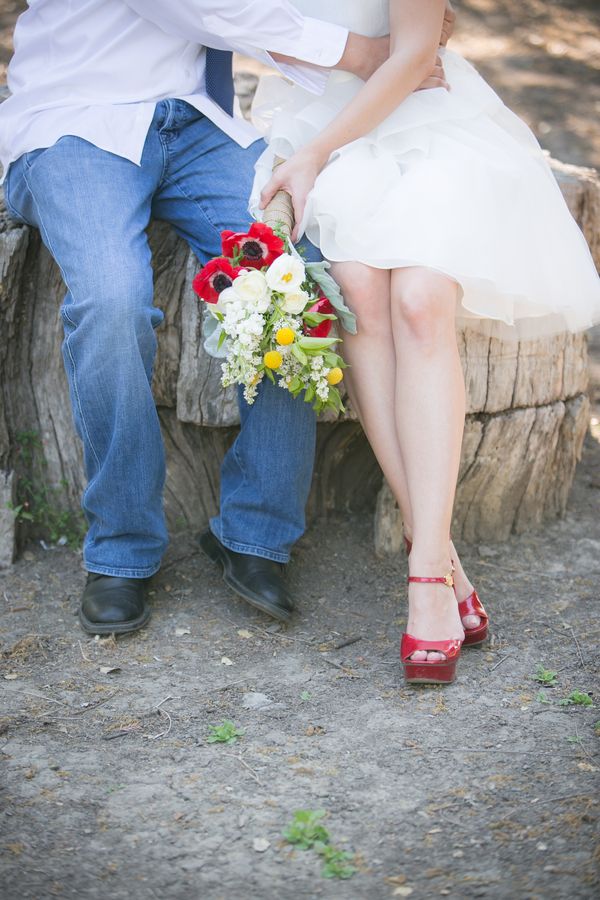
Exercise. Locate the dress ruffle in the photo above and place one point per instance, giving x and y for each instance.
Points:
(452, 181)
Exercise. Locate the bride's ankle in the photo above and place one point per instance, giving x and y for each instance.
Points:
(429, 565)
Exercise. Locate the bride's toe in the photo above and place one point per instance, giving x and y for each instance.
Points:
(419, 656)
(471, 622)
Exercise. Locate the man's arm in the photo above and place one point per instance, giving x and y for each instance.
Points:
(274, 25)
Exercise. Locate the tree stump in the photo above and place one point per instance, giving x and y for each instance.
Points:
(527, 408)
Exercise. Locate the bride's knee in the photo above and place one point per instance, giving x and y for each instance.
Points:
(366, 291)
(423, 305)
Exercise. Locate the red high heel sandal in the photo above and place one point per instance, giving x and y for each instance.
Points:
(471, 606)
(442, 672)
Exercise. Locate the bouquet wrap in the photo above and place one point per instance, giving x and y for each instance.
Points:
(280, 212)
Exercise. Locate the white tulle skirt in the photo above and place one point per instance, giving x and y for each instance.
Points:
(452, 181)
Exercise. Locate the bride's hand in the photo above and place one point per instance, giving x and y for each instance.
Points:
(297, 176)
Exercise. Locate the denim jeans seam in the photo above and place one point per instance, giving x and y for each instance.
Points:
(67, 345)
(122, 571)
(257, 550)
(193, 200)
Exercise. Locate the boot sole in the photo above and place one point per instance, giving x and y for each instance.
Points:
(210, 548)
(116, 628)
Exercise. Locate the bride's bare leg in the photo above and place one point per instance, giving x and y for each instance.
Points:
(371, 384)
(371, 378)
(430, 411)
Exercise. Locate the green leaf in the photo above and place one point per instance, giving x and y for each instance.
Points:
(306, 830)
(331, 289)
(314, 344)
(300, 355)
(545, 676)
(314, 319)
(335, 862)
(577, 698)
(222, 339)
(225, 733)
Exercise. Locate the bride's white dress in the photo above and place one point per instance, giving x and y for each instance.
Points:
(453, 181)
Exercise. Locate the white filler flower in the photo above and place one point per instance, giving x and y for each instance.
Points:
(286, 274)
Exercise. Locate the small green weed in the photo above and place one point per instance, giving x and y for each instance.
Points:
(225, 733)
(306, 830)
(597, 728)
(541, 697)
(577, 698)
(545, 676)
(307, 833)
(335, 862)
(574, 739)
(305, 695)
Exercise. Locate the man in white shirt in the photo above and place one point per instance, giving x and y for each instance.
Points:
(117, 114)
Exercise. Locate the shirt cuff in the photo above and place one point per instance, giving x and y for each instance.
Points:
(312, 80)
(321, 43)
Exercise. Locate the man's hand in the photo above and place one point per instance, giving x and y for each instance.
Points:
(448, 24)
(436, 78)
(364, 55)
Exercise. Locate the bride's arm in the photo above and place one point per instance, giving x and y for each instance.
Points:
(415, 27)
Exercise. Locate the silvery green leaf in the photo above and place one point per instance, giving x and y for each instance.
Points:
(212, 331)
(318, 272)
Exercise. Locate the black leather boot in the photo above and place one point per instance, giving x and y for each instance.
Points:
(113, 605)
(259, 581)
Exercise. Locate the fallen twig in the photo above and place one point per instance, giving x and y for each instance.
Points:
(79, 712)
(344, 669)
(508, 655)
(581, 659)
(87, 659)
(41, 697)
(163, 712)
(348, 642)
(249, 768)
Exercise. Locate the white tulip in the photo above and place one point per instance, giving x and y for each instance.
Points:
(286, 274)
(295, 303)
(251, 288)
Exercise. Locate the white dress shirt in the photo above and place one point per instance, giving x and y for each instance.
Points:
(96, 68)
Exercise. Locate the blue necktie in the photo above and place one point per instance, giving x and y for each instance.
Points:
(219, 78)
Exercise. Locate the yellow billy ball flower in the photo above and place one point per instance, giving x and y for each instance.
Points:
(273, 359)
(335, 375)
(285, 336)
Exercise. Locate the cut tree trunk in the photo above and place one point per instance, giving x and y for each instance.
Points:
(527, 408)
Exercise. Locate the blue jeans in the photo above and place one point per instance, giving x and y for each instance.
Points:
(92, 208)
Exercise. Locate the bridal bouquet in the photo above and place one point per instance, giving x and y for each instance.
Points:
(273, 317)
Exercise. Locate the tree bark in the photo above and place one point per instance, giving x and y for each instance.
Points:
(527, 410)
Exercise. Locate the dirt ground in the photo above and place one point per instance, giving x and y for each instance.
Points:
(488, 788)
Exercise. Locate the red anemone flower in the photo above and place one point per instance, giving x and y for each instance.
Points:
(216, 275)
(258, 248)
(324, 307)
